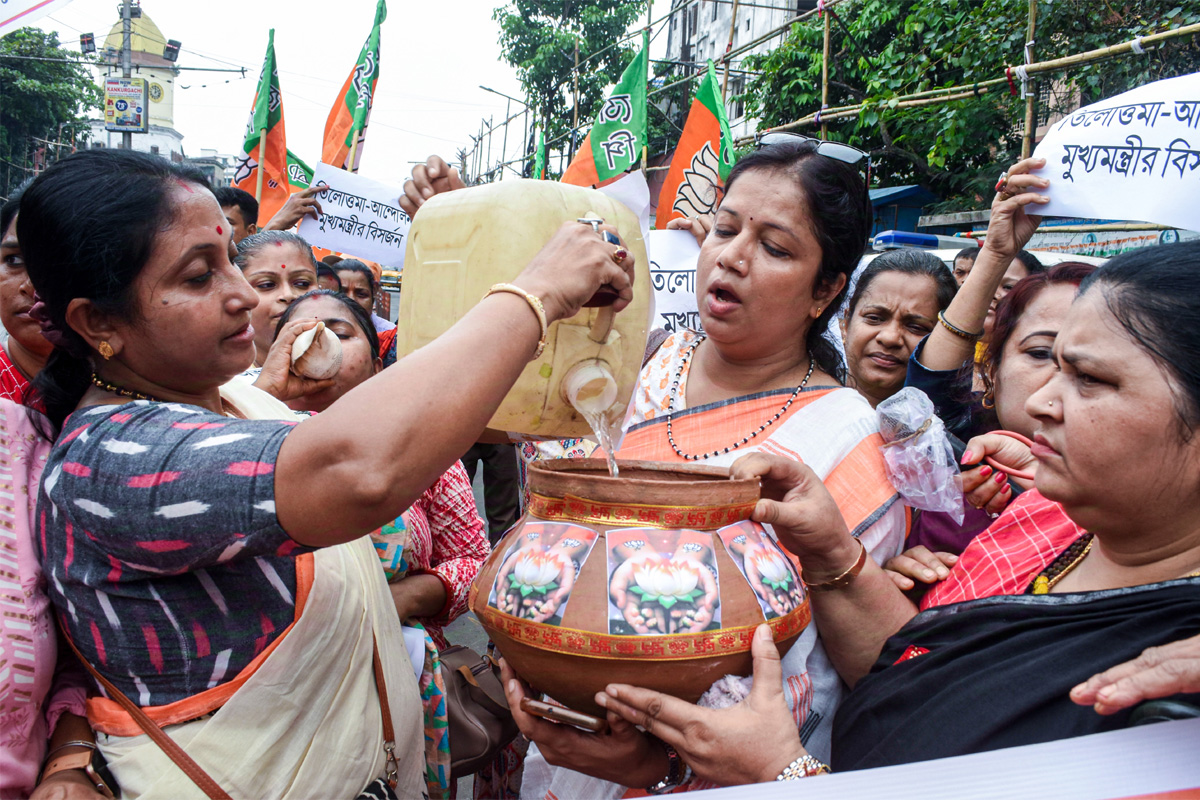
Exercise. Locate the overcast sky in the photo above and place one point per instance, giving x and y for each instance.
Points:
(434, 57)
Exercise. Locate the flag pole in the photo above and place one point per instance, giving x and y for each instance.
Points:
(262, 154)
(353, 153)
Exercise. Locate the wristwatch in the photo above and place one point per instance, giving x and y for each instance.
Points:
(677, 771)
(89, 760)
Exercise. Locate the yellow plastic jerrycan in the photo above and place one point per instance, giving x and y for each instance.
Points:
(462, 243)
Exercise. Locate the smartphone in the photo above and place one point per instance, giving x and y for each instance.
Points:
(564, 715)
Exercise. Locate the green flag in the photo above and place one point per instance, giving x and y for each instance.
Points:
(351, 112)
(539, 157)
(265, 126)
(618, 136)
(299, 174)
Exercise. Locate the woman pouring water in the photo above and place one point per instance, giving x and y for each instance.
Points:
(206, 554)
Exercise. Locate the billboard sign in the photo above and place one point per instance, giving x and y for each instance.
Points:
(125, 104)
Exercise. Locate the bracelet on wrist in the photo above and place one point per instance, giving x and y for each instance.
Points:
(73, 743)
(804, 767)
(534, 302)
(957, 331)
(843, 580)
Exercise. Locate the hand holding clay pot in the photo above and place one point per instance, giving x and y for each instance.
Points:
(806, 519)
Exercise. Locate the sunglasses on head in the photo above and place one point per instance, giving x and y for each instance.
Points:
(835, 150)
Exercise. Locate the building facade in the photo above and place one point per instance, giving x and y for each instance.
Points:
(700, 30)
(146, 43)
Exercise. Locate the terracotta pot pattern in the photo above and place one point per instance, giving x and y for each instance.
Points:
(657, 578)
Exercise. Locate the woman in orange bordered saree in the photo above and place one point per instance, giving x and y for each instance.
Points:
(761, 378)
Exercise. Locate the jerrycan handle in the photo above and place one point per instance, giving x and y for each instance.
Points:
(603, 299)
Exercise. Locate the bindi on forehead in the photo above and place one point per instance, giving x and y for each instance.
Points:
(219, 231)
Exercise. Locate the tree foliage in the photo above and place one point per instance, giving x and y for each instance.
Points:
(36, 97)
(956, 149)
(538, 38)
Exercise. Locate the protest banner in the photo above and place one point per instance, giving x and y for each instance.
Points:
(673, 257)
(1157, 761)
(1135, 156)
(18, 13)
(361, 217)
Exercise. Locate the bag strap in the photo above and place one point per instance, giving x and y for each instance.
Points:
(176, 753)
(392, 768)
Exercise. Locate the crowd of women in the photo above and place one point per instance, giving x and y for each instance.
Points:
(233, 552)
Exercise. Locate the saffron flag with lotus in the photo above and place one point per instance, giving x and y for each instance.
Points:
(266, 125)
(703, 158)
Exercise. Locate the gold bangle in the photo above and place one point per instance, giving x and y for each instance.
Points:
(957, 331)
(534, 302)
(842, 580)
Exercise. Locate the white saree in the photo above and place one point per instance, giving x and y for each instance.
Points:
(307, 723)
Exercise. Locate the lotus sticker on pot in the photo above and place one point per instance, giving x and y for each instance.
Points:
(662, 582)
(537, 574)
(768, 570)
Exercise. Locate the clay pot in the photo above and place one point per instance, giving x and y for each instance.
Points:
(643, 579)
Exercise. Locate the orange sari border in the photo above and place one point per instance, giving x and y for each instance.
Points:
(677, 647)
(575, 509)
(106, 716)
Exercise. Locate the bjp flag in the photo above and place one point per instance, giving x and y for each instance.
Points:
(263, 169)
(614, 145)
(346, 128)
(703, 158)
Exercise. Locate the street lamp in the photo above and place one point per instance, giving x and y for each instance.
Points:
(502, 94)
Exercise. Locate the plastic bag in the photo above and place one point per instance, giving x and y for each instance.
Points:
(919, 460)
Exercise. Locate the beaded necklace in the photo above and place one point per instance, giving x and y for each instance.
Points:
(683, 362)
(121, 390)
(1067, 561)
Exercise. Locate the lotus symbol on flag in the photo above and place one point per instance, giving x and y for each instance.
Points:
(773, 570)
(536, 572)
(697, 194)
(667, 583)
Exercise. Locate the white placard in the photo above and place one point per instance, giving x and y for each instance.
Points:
(632, 190)
(1151, 758)
(673, 257)
(1135, 156)
(360, 217)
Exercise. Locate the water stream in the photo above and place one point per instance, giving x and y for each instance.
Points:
(591, 390)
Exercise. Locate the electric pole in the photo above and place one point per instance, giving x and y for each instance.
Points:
(126, 57)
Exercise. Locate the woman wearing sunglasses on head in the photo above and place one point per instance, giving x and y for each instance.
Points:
(771, 273)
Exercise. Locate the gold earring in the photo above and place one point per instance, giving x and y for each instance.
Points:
(105, 350)
(819, 310)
